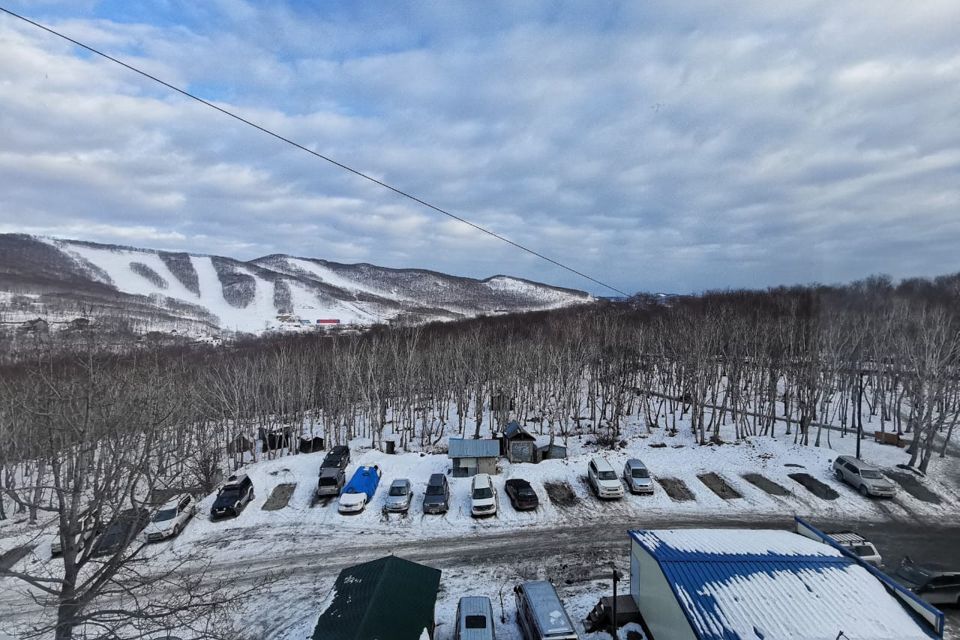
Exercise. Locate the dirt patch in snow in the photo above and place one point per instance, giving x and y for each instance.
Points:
(561, 494)
(280, 496)
(913, 486)
(676, 489)
(719, 486)
(814, 486)
(764, 483)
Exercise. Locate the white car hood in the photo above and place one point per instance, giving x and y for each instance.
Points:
(160, 527)
(483, 502)
(352, 499)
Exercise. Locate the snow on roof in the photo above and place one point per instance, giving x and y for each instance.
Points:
(735, 584)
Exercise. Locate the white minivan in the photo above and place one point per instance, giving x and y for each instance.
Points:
(483, 496)
(604, 480)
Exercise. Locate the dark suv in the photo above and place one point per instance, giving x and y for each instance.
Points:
(119, 533)
(933, 583)
(436, 499)
(232, 497)
(339, 456)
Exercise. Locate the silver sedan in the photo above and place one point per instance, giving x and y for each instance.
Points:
(399, 496)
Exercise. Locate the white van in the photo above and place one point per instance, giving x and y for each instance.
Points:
(604, 480)
(483, 496)
(541, 614)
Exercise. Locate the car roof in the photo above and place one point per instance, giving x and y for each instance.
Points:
(436, 478)
(482, 480)
(236, 480)
(175, 501)
(474, 605)
(400, 481)
(517, 482)
(602, 463)
(634, 462)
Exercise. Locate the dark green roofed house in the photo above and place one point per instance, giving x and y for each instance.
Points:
(385, 599)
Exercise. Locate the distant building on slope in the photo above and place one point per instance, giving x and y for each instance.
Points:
(471, 457)
(385, 598)
(741, 584)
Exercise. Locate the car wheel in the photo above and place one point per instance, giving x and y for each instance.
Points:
(176, 531)
(839, 475)
(863, 491)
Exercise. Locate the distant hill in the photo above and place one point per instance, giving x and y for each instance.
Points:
(150, 290)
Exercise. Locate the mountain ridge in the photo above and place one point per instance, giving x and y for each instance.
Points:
(204, 293)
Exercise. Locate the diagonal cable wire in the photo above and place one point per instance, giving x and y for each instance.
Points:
(293, 143)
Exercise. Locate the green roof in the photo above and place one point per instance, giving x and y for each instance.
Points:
(385, 599)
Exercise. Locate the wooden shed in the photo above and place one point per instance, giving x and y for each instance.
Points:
(519, 445)
(471, 457)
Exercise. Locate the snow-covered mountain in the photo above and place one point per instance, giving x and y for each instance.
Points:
(61, 280)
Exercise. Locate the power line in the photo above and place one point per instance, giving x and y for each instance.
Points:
(345, 167)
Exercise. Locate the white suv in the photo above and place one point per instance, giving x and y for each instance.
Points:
(483, 496)
(171, 518)
(604, 480)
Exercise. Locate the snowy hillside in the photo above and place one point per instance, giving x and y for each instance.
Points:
(200, 294)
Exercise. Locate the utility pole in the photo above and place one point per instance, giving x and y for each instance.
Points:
(859, 413)
(613, 619)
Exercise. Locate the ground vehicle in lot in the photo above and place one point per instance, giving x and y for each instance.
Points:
(436, 499)
(171, 518)
(483, 496)
(339, 456)
(399, 496)
(125, 527)
(475, 619)
(863, 477)
(859, 545)
(603, 479)
(521, 494)
(935, 584)
(88, 531)
(360, 490)
(331, 481)
(541, 614)
(233, 496)
(637, 477)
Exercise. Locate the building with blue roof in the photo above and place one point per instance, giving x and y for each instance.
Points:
(740, 584)
(470, 456)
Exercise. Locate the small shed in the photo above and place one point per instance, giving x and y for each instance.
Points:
(471, 457)
(551, 452)
(748, 584)
(519, 445)
(385, 598)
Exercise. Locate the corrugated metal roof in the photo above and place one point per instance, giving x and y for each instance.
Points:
(385, 598)
(469, 448)
(766, 585)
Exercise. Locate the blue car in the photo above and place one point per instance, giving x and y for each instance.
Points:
(359, 491)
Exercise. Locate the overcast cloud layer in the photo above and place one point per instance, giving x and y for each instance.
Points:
(657, 146)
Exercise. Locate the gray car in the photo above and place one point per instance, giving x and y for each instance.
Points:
(474, 619)
(863, 477)
(637, 477)
(436, 499)
(399, 496)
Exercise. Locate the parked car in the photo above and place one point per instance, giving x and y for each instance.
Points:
(637, 477)
(475, 619)
(125, 527)
(521, 494)
(359, 491)
(858, 545)
(331, 481)
(863, 477)
(399, 496)
(233, 496)
(603, 479)
(171, 518)
(88, 531)
(541, 614)
(339, 456)
(933, 583)
(483, 496)
(436, 499)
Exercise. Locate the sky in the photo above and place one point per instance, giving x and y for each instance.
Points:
(656, 146)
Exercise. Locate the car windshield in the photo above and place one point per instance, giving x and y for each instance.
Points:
(434, 489)
(640, 473)
(352, 490)
(328, 480)
(482, 492)
(864, 550)
(607, 475)
(475, 622)
(230, 492)
(913, 573)
(165, 514)
(526, 492)
(398, 490)
(870, 474)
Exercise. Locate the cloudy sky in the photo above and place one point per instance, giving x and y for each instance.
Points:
(673, 146)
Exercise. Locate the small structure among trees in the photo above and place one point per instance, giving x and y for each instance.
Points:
(519, 445)
(471, 457)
